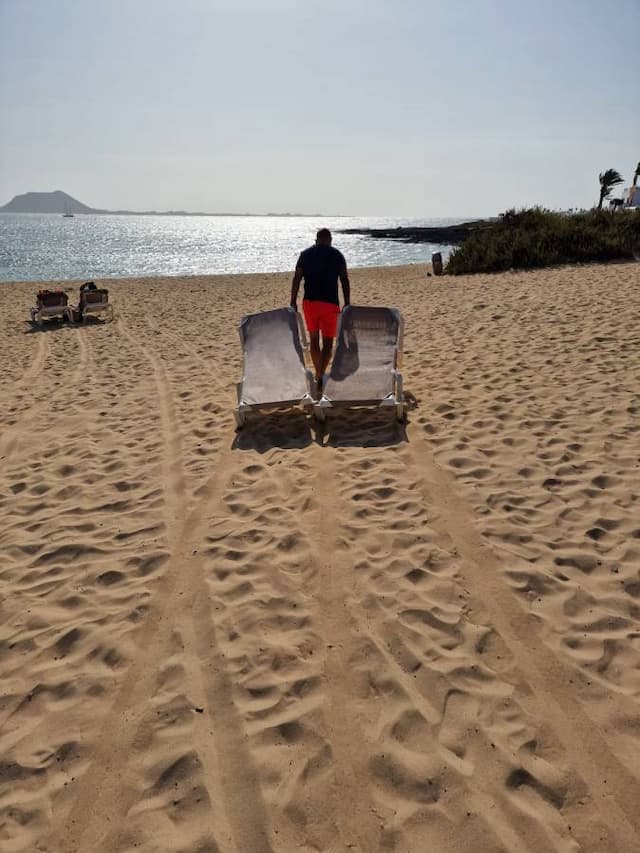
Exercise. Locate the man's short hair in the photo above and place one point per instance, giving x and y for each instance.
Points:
(323, 234)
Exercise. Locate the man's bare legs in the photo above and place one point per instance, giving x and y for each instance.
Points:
(325, 354)
(320, 356)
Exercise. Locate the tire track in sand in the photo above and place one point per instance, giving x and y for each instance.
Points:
(340, 608)
(209, 681)
(480, 795)
(107, 790)
(83, 362)
(615, 791)
(354, 811)
(9, 437)
(38, 360)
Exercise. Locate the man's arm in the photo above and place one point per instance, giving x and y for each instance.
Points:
(295, 287)
(346, 287)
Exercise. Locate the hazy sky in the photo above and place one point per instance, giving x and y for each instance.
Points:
(381, 107)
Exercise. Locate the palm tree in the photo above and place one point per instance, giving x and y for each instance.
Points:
(608, 180)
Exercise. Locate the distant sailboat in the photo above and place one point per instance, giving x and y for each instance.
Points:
(67, 213)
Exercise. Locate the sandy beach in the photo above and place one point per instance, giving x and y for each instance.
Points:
(365, 638)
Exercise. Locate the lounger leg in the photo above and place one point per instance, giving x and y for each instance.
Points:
(401, 407)
(240, 417)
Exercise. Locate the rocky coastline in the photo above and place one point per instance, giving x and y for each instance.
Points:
(446, 235)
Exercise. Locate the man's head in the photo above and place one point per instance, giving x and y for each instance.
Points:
(323, 237)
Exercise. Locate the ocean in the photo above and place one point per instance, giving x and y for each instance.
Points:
(44, 247)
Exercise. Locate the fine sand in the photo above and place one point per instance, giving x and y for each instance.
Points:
(378, 638)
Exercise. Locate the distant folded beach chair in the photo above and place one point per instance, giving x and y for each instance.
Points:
(273, 374)
(93, 303)
(368, 354)
(50, 304)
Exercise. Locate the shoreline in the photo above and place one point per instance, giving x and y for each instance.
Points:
(360, 271)
(200, 277)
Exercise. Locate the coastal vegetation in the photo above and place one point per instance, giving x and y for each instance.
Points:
(535, 237)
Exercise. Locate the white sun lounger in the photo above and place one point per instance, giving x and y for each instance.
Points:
(365, 366)
(50, 305)
(273, 374)
(94, 303)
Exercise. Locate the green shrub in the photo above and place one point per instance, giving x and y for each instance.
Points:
(533, 238)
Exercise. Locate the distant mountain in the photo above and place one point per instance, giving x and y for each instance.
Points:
(55, 202)
(60, 202)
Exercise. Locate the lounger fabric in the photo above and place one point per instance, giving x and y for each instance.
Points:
(94, 297)
(364, 363)
(274, 370)
(52, 299)
(49, 304)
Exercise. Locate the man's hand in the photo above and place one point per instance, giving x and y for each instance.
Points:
(295, 287)
(346, 287)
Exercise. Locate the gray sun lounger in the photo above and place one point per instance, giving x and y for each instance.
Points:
(273, 374)
(365, 366)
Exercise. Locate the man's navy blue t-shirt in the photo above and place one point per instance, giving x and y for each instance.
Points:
(321, 266)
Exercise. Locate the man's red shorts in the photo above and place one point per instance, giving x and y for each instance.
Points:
(321, 317)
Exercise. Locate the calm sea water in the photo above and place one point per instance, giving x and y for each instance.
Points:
(37, 247)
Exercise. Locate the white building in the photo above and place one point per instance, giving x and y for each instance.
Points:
(631, 197)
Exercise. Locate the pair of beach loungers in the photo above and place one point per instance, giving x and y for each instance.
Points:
(364, 373)
(54, 304)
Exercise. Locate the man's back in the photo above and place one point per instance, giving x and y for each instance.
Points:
(321, 266)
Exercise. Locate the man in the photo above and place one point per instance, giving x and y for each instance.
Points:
(321, 266)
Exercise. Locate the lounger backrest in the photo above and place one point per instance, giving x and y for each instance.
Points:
(362, 369)
(273, 358)
(52, 299)
(93, 297)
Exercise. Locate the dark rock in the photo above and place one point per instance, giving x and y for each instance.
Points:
(446, 235)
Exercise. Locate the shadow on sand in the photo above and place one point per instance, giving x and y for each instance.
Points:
(284, 430)
(56, 325)
(296, 430)
(362, 428)
(365, 427)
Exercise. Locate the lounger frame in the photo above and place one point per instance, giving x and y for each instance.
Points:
(95, 308)
(306, 401)
(394, 400)
(40, 313)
